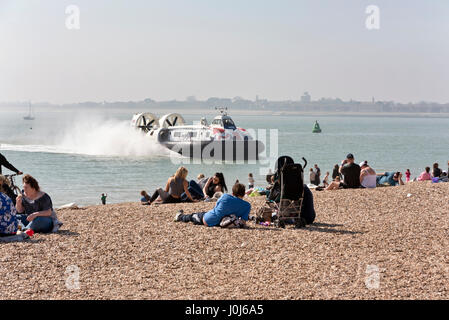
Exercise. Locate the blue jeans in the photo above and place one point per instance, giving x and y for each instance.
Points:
(195, 191)
(38, 225)
(196, 218)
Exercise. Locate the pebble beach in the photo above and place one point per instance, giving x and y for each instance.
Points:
(383, 243)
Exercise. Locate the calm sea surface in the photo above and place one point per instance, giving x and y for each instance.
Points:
(78, 154)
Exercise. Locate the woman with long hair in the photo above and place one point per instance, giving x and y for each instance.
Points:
(175, 187)
(215, 184)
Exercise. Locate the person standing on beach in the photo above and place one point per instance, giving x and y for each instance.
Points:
(312, 176)
(250, 181)
(407, 175)
(5, 163)
(317, 175)
(103, 198)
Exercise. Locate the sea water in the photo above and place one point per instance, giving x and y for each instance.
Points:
(78, 154)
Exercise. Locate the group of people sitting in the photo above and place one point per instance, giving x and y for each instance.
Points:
(352, 175)
(437, 175)
(179, 189)
(31, 209)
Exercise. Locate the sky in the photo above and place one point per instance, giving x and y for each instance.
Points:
(171, 49)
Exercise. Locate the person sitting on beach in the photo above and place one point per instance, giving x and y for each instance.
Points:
(145, 199)
(227, 205)
(201, 180)
(444, 177)
(351, 174)
(326, 180)
(390, 178)
(35, 208)
(195, 191)
(7, 190)
(436, 172)
(175, 187)
(425, 175)
(214, 185)
(335, 172)
(8, 219)
(367, 175)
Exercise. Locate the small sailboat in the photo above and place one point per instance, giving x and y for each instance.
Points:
(30, 115)
(316, 128)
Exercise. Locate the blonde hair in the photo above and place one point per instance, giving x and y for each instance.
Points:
(200, 176)
(181, 173)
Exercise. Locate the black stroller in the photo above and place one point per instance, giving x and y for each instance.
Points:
(287, 195)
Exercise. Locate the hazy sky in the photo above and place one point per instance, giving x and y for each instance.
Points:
(171, 49)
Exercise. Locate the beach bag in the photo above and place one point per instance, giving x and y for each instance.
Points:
(232, 222)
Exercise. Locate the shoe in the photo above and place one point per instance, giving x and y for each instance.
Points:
(178, 215)
(56, 225)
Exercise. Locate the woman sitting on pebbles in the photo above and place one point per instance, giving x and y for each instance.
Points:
(8, 219)
(368, 176)
(174, 188)
(35, 209)
(215, 185)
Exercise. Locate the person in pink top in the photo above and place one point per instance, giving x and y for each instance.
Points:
(407, 175)
(425, 175)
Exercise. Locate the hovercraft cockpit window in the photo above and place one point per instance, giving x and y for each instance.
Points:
(229, 124)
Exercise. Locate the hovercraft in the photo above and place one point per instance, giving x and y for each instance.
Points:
(220, 140)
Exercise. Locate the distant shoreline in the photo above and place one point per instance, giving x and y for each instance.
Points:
(235, 111)
(302, 113)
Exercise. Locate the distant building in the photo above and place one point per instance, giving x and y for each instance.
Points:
(305, 98)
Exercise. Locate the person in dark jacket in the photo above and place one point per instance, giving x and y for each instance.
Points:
(7, 165)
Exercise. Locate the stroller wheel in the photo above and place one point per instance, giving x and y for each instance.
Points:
(279, 223)
(300, 223)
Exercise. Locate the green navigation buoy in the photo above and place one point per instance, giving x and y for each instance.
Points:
(316, 128)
